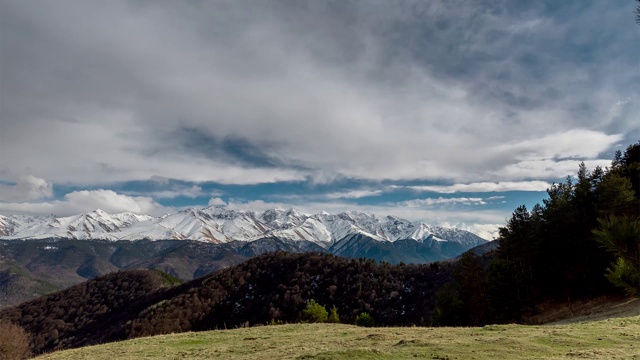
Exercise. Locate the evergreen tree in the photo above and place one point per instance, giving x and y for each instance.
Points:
(472, 284)
(449, 310)
(630, 168)
(621, 236)
(615, 195)
(505, 302)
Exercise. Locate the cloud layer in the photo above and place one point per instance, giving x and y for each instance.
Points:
(273, 91)
(86, 201)
(449, 97)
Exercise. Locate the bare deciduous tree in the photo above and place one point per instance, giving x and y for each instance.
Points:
(14, 342)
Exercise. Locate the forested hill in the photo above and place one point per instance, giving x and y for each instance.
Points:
(274, 287)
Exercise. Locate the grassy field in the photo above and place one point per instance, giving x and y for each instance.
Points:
(614, 338)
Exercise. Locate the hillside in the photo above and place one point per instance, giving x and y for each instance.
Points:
(606, 339)
(595, 309)
(30, 268)
(89, 312)
(271, 287)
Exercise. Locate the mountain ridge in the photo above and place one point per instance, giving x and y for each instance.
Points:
(218, 224)
(42, 254)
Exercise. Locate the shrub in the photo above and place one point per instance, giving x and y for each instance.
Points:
(14, 342)
(276, 322)
(333, 315)
(314, 313)
(364, 319)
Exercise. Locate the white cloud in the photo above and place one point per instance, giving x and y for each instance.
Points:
(216, 201)
(547, 168)
(491, 198)
(444, 201)
(353, 194)
(110, 201)
(485, 187)
(26, 188)
(574, 143)
(88, 200)
(173, 191)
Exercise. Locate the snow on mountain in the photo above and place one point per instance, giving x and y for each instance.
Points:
(94, 225)
(7, 226)
(219, 225)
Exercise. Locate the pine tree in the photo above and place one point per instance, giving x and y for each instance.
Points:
(621, 236)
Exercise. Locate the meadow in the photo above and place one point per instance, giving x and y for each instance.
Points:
(612, 338)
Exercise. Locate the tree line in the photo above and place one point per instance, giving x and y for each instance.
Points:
(582, 241)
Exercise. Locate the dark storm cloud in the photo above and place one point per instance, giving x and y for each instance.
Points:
(234, 150)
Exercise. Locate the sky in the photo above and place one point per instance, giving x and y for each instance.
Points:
(449, 112)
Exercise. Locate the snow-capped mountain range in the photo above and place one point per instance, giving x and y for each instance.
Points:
(217, 224)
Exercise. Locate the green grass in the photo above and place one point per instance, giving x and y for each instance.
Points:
(615, 338)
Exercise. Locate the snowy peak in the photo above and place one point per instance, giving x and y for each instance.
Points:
(220, 225)
(7, 226)
(420, 232)
(94, 225)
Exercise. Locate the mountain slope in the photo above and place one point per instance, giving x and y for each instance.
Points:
(86, 313)
(30, 268)
(35, 267)
(273, 286)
